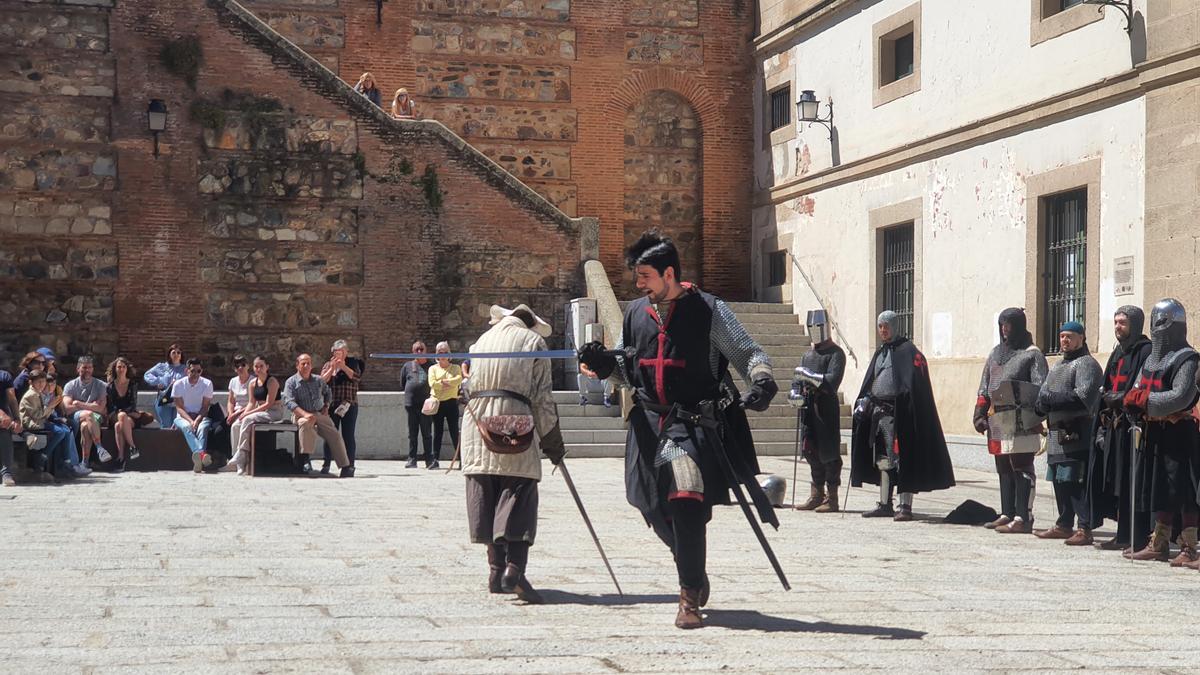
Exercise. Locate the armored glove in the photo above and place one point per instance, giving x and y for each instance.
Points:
(979, 419)
(762, 390)
(592, 355)
(1136, 399)
(860, 408)
(802, 375)
(796, 396)
(552, 445)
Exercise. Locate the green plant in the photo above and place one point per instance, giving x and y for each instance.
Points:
(360, 163)
(183, 58)
(431, 187)
(207, 114)
(406, 167)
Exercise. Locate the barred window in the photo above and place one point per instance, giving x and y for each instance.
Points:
(1065, 260)
(898, 268)
(781, 107)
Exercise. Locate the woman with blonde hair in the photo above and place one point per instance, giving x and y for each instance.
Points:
(445, 378)
(403, 106)
(366, 87)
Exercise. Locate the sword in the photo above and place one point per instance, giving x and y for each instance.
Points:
(543, 354)
(796, 457)
(1135, 442)
(588, 521)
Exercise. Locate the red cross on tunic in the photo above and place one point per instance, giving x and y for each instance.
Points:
(661, 364)
(1117, 381)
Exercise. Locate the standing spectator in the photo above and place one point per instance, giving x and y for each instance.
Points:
(86, 401)
(366, 87)
(445, 378)
(236, 405)
(32, 361)
(264, 408)
(123, 415)
(414, 380)
(308, 399)
(10, 423)
(403, 107)
(192, 396)
(38, 417)
(162, 377)
(342, 373)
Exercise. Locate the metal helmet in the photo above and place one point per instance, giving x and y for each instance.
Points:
(1168, 330)
(818, 325)
(1166, 313)
(774, 487)
(892, 319)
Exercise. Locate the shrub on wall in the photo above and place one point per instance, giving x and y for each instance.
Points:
(183, 58)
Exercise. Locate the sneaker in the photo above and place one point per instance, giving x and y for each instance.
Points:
(231, 465)
(412, 464)
(206, 459)
(325, 467)
(8, 480)
(104, 455)
(583, 400)
(607, 401)
(346, 472)
(80, 470)
(119, 467)
(432, 465)
(197, 461)
(133, 452)
(45, 477)
(881, 510)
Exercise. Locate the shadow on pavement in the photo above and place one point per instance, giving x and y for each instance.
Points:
(553, 597)
(742, 619)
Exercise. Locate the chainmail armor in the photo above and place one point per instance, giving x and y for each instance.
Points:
(1081, 377)
(729, 337)
(884, 386)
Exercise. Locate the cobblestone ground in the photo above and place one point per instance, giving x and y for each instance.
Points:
(178, 572)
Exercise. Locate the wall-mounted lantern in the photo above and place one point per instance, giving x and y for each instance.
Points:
(1125, 7)
(156, 119)
(808, 109)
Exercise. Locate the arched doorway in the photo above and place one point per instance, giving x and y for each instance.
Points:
(663, 174)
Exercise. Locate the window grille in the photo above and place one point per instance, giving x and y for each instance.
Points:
(903, 47)
(1065, 271)
(898, 268)
(781, 107)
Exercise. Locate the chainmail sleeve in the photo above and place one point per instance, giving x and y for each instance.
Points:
(985, 380)
(729, 338)
(1179, 397)
(834, 372)
(618, 378)
(1087, 386)
(1039, 367)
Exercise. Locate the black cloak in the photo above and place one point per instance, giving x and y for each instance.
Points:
(924, 460)
(1108, 470)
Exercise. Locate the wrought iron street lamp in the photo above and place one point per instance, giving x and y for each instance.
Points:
(1124, 6)
(156, 119)
(808, 109)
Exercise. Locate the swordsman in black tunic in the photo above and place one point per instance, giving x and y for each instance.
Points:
(689, 441)
(1162, 399)
(897, 439)
(815, 385)
(1109, 471)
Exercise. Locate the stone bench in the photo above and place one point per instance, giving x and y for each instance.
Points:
(270, 429)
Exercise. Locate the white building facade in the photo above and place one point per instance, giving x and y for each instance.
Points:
(984, 154)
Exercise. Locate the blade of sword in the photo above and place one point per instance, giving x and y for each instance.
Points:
(736, 486)
(562, 465)
(543, 354)
(796, 458)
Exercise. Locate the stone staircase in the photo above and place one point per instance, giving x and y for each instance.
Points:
(596, 431)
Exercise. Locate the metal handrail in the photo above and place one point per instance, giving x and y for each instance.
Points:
(828, 314)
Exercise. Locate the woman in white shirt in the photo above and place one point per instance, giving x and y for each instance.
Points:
(236, 405)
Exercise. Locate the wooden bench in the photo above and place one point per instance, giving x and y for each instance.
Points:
(272, 428)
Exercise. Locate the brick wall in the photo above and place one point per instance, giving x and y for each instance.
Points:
(562, 78)
(280, 214)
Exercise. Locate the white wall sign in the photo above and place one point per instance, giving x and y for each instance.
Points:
(942, 334)
(1123, 276)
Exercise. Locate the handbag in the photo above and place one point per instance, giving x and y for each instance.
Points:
(430, 406)
(164, 398)
(504, 434)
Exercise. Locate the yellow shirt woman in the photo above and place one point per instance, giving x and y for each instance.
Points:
(445, 379)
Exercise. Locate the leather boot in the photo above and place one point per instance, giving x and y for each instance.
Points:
(513, 581)
(830, 505)
(1187, 548)
(704, 591)
(1114, 544)
(816, 497)
(495, 555)
(688, 616)
(1017, 526)
(1081, 537)
(1002, 520)
(881, 510)
(1055, 532)
(1195, 564)
(1159, 546)
(903, 514)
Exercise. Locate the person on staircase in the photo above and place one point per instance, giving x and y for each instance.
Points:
(816, 382)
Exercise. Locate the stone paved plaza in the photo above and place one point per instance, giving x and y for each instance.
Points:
(178, 572)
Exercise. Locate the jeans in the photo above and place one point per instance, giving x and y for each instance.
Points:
(447, 411)
(60, 445)
(6, 453)
(165, 415)
(346, 426)
(197, 440)
(419, 423)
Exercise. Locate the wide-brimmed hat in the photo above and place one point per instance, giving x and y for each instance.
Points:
(539, 326)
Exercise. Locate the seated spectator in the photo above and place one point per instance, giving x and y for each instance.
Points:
(263, 408)
(10, 424)
(32, 361)
(123, 415)
(38, 418)
(162, 377)
(342, 373)
(192, 395)
(445, 378)
(239, 399)
(403, 107)
(308, 399)
(366, 87)
(85, 399)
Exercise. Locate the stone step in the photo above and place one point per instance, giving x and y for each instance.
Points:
(773, 319)
(589, 423)
(795, 351)
(761, 308)
(757, 329)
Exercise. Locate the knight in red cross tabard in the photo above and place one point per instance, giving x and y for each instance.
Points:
(1109, 468)
(687, 413)
(1163, 398)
